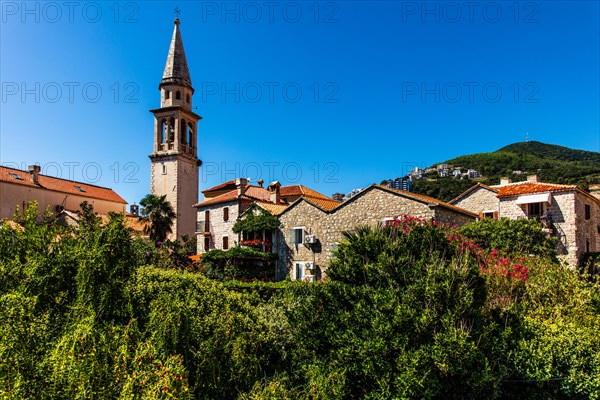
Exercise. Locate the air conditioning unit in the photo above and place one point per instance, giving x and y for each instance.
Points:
(59, 208)
(310, 278)
(310, 239)
(309, 265)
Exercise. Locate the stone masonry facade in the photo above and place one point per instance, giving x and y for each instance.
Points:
(576, 235)
(372, 206)
(219, 227)
(481, 199)
(560, 213)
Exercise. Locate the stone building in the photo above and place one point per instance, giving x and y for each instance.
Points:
(567, 212)
(17, 188)
(225, 203)
(174, 160)
(310, 232)
(479, 199)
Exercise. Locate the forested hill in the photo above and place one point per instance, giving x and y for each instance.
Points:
(552, 163)
(557, 164)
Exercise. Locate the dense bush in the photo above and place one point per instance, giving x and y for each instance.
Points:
(239, 263)
(520, 236)
(411, 310)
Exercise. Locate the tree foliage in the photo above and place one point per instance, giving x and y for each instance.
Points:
(521, 236)
(411, 310)
(159, 212)
(256, 222)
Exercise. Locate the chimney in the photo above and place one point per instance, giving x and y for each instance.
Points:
(274, 189)
(260, 182)
(241, 183)
(533, 178)
(34, 172)
(505, 180)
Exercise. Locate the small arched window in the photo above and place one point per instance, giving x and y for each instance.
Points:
(167, 94)
(178, 95)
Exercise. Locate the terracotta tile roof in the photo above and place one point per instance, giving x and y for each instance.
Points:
(515, 189)
(324, 203)
(257, 193)
(225, 197)
(332, 206)
(60, 185)
(225, 185)
(471, 189)
(275, 209)
(253, 193)
(427, 199)
(299, 190)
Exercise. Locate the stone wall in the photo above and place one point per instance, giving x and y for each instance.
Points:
(218, 227)
(450, 217)
(588, 230)
(566, 212)
(370, 207)
(479, 200)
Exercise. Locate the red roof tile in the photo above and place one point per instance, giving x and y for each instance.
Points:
(224, 185)
(60, 185)
(515, 189)
(299, 190)
(427, 199)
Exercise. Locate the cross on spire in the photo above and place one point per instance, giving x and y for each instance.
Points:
(177, 11)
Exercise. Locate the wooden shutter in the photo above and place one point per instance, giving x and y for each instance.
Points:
(226, 214)
(225, 242)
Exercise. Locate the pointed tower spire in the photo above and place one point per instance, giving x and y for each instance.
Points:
(176, 68)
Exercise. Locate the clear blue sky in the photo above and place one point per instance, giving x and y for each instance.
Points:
(385, 85)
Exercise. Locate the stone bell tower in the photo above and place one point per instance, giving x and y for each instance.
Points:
(175, 160)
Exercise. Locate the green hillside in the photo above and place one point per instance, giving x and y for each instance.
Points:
(557, 164)
(552, 163)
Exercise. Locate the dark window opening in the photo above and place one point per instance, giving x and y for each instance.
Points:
(226, 214)
(187, 98)
(206, 243)
(588, 212)
(534, 210)
(225, 242)
(207, 221)
(178, 95)
(167, 94)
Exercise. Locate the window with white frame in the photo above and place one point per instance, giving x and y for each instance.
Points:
(300, 267)
(297, 235)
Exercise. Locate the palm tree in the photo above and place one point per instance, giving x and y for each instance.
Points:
(159, 212)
